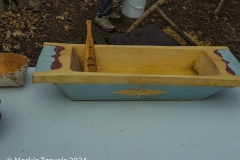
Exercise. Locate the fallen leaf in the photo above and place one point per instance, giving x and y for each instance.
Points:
(18, 34)
(32, 33)
(17, 46)
(8, 35)
(60, 17)
(67, 27)
(6, 47)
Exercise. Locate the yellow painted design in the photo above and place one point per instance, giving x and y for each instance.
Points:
(139, 92)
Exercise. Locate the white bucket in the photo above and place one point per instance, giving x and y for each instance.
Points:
(133, 8)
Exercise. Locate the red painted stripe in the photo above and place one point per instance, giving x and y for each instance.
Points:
(56, 63)
(228, 69)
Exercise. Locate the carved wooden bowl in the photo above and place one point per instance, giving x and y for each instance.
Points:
(13, 69)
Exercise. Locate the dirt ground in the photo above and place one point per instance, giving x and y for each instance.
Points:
(63, 21)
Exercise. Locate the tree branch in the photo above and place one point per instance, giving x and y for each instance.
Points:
(176, 28)
(220, 7)
(146, 14)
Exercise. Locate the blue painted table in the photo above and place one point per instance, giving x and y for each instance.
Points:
(38, 121)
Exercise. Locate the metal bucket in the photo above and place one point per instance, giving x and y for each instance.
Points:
(133, 8)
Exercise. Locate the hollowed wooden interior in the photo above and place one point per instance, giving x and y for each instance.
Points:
(147, 60)
(10, 62)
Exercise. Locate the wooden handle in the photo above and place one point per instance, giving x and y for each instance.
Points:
(90, 59)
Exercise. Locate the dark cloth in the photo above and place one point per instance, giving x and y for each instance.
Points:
(149, 35)
(104, 7)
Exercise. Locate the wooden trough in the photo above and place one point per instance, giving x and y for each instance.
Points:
(138, 72)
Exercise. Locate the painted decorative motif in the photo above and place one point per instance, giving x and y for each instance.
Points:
(56, 64)
(231, 62)
(49, 58)
(139, 92)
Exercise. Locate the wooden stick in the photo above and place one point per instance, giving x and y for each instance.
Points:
(90, 59)
(146, 14)
(175, 27)
(220, 7)
(90, 1)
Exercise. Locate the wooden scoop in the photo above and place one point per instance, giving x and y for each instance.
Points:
(90, 59)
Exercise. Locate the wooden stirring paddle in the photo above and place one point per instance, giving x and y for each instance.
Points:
(90, 59)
